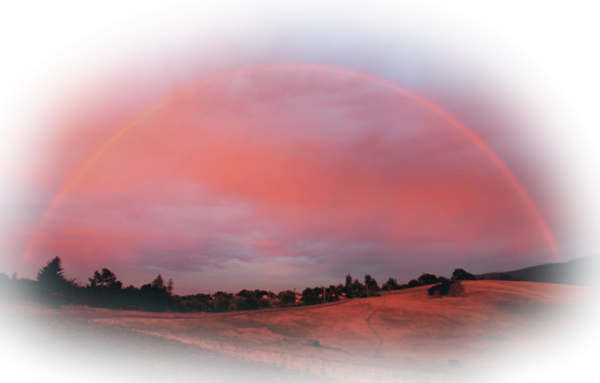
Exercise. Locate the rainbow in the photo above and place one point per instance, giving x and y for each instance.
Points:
(73, 180)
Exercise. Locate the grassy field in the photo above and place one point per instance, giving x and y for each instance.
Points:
(405, 336)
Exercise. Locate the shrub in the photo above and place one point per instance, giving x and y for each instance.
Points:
(457, 290)
(264, 303)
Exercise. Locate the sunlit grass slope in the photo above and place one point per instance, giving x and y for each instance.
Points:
(497, 322)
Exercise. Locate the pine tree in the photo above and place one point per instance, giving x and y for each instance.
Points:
(159, 283)
(348, 280)
(51, 278)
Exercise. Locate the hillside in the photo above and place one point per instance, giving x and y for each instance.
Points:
(581, 272)
(495, 324)
(405, 336)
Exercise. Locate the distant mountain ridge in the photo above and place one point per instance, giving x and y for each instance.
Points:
(581, 272)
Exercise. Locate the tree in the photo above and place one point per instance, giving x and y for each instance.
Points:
(367, 282)
(237, 303)
(130, 298)
(246, 300)
(337, 290)
(348, 280)
(287, 298)
(5, 285)
(158, 283)
(356, 290)
(105, 280)
(170, 287)
(53, 285)
(153, 298)
(330, 294)
(51, 278)
(220, 301)
(462, 275)
(391, 284)
(104, 289)
(371, 286)
(264, 303)
(309, 296)
(428, 279)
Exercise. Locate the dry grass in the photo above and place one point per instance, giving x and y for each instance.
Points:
(404, 335)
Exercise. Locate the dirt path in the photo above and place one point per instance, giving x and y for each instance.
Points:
(368, 320)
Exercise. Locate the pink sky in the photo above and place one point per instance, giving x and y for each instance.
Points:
(289, 178)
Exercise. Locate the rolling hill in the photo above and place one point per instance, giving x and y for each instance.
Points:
(406, 336)
(581, 272)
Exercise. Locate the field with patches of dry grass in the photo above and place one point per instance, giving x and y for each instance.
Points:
(404, 336)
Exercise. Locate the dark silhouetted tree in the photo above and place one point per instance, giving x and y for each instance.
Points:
(51, 278)
(264, 303)
(236, 303)
(247, 300)
(104, 290)
(309, 296)
(371, 286)
(221, 304)
(6, 286)
(158, 283)
(330, 294)
(462, 275)
(191, 303)
(287, 298)
(367, 284)
(356, 290)
(428, 279)
(153, 299)
(391, 284)
(54, 288)
(338, 290)
(130, 298)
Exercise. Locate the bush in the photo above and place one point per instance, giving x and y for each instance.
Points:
(264, 303)
(457, 290)
(287, 298)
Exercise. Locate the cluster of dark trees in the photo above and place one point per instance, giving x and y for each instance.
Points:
(429, 279)
(105, 290)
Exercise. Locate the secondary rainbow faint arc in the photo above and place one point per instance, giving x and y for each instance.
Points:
(475, 139)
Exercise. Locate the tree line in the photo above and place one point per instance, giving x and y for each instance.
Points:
(106, 291)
